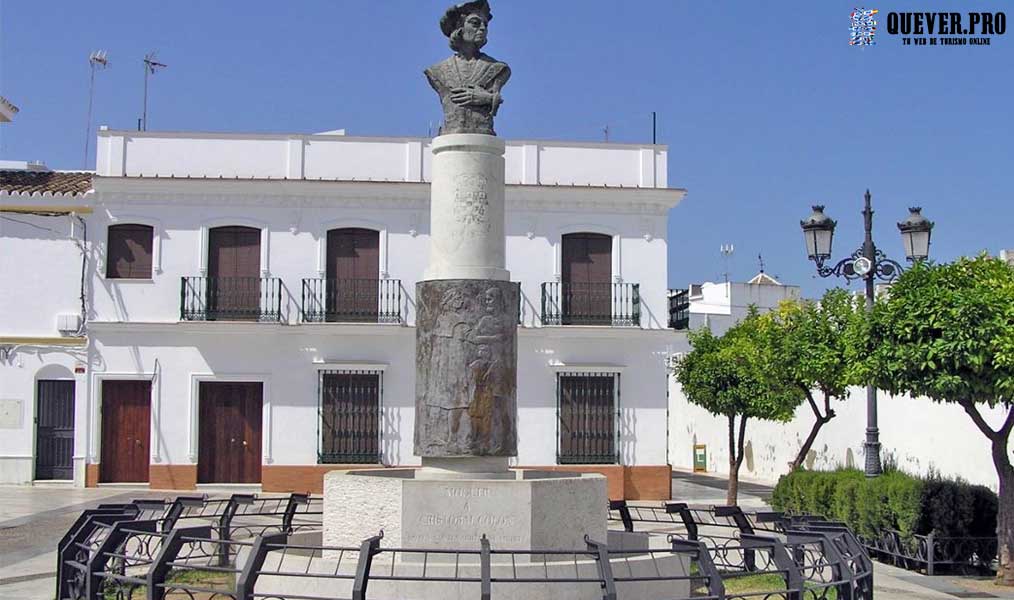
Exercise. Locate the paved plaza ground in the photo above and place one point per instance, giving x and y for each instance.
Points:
(32, 519)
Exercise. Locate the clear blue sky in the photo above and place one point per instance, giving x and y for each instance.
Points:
(765, 106)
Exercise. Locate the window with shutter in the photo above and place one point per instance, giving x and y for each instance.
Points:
(350, 416)
(587, 404)
(128, 251)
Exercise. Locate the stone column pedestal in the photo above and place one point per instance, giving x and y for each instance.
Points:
(466, 373)
(467, 239)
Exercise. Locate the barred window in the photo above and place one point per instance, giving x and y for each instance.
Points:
(350, 416)
(128, 251)
(588, 409)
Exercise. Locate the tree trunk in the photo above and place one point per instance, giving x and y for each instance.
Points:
(1005, 516)
(1005, 474)
(821, 420)
(735, 458)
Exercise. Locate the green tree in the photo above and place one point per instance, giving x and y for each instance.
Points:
(813, 353)
(946, 332)
(735, 376)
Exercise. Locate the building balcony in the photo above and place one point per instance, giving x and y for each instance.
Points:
(231, 299)
(608, 304)
(679, 309)
(351, 301)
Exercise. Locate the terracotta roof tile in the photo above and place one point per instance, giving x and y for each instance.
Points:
(31, 182)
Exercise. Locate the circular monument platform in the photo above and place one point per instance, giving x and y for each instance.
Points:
(424, 508)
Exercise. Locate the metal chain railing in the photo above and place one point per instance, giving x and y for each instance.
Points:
(240, 548)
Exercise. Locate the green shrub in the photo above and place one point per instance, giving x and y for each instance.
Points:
(895, 500)
(846, 496)
(904, 501)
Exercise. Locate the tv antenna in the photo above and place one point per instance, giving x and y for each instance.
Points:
(97, 59)
(150, 66)
(727, 250)
(605, 131)
(760, 261)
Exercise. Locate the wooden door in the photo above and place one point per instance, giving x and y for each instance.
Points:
(54, 430)
(234, 271)
(229, 443)
(126, 431)
(353, 271)
(586, 273)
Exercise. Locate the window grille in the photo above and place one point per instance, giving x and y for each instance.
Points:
(588, 418)
(350, 416)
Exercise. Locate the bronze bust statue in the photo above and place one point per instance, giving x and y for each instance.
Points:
(469, 82)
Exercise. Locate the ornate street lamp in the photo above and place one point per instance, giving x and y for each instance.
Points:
(818, 230)
(869, 264)
(915, 234)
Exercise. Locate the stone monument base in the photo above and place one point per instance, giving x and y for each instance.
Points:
(531, 510)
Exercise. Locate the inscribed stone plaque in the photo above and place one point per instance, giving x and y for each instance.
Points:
(448, 514)
(10, 414)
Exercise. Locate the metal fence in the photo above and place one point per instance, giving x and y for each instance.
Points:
(352, 300)
(231, 299)
(614, 304)
(244, 548)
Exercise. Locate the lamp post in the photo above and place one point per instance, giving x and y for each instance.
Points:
(869, 264)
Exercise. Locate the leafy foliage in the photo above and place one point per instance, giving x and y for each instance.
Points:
(814, 344)
(945, 332)
(737, 374)
(813, 353)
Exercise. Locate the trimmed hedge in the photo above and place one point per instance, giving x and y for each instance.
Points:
(895, 500)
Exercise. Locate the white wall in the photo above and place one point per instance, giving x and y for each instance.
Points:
(286, 360)
(18, 377)
(38, 254)
(916, 433)
(340, 157)
(296, 220)
(135, 330)
(41, 266)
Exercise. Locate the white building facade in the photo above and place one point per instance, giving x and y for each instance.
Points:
(249, 310)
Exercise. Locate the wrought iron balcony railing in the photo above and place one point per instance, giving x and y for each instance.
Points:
(615, 304)
(679, 309)
(352, 300)
(231, 299)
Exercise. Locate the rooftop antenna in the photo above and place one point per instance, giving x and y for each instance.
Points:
(150, 66)
(605, 130)
(726, 250)
(100, 60)
(760, 260)
(654, 128)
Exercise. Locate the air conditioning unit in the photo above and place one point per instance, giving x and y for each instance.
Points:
(69, 323)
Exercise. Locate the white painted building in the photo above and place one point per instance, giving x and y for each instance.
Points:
(250, 308)
(916, 434)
